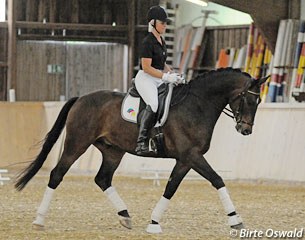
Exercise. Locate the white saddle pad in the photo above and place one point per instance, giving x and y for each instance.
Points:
(130, 108)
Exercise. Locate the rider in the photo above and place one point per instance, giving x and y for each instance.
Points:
(153, 72)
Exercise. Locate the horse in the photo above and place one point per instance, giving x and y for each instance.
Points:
(95, 119)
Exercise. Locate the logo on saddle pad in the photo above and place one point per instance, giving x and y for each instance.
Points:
(132, 112)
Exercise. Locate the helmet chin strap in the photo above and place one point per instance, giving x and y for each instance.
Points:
(154, 26)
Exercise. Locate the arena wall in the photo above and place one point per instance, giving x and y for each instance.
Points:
(274, 151)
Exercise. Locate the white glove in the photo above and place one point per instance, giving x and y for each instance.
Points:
(170, 77)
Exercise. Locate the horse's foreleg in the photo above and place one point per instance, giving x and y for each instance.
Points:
(175, 179)
(200, 165)
(111, 160)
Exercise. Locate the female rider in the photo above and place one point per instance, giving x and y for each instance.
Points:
(153, 72)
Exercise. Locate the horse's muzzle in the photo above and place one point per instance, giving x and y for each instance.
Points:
(244, 129)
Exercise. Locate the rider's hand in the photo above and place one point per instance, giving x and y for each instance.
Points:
(171, 77)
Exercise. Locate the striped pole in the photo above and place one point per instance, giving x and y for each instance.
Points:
(259, 61)
(297, 54)
(254, 56)
(282, 68)
(249, 47)
(301, 66)
(277, 61)
(268, 72)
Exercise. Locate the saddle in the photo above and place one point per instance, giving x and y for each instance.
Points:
(133, 106)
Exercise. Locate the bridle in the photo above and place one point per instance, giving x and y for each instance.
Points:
(237, 115)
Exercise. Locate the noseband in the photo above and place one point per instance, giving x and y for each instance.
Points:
(237, 115)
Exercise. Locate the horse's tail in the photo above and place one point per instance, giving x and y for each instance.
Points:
(28, 173)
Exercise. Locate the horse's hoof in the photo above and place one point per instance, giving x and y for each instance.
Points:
(154, 228)
(38, 227)
(238, 226)
(126, 222)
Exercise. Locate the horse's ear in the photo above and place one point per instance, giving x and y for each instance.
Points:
(263, 80)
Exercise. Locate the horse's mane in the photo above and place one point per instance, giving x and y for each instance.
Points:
(221, 72)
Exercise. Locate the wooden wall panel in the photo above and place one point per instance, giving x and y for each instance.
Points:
(20, 10)
(94, 66)
(3, 65)
(260, 13)
(87, 67)
(218, 38)
(31, 10)
(3, 44)
(3, 81)
(81, 11)
(142, 8)
(43, 10)
(34, 83)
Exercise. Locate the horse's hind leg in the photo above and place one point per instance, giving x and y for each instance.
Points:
(111, 159)
(178, 173)
(200, 165)
(68, 157)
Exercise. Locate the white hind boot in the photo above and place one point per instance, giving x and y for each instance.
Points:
(43, 208)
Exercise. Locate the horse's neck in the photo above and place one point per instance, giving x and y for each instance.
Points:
(216, 91)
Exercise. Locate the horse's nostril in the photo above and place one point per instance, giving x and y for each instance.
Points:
(246, 132)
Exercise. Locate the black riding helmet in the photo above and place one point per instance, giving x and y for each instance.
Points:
(157, 13)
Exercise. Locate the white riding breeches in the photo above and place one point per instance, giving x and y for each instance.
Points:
(147, 87)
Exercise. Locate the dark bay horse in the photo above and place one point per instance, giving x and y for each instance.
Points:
(96, 119)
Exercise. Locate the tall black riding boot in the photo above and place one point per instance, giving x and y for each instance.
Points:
(146, 124)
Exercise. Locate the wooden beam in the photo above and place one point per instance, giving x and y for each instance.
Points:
(12, 46)
(227, 27)
(71, 26)
(117, 39)
(131, 39)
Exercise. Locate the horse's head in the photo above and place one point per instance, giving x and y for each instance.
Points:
(244, 105)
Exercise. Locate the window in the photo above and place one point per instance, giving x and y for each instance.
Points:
(2, 10)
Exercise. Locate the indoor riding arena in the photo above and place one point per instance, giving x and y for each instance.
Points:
(66, 68)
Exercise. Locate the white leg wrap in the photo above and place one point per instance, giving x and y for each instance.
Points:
(114, 197)
(159, 209)
(234, 220)
(226, 200)
(44, 206)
